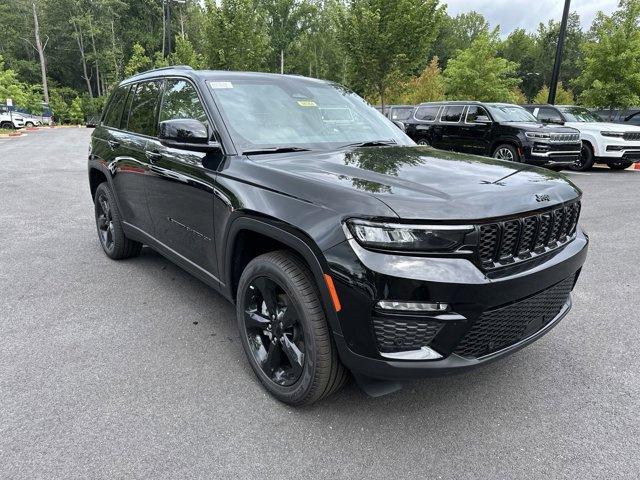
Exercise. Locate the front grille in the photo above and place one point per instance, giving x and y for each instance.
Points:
(631, 136)
(565, 137)
(510, 241)
(504, 326)
(403, 335)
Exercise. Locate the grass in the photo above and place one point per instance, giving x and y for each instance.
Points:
(4, 130)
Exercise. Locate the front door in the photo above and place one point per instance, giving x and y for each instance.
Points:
(181, 184)
(451, 127)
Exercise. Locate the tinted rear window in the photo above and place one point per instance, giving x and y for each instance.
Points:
(427, 114)
(142, 116)
(113, 113)
(452, 113)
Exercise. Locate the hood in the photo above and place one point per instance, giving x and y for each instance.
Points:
(539, 127)
(601, 126)
(428, 184)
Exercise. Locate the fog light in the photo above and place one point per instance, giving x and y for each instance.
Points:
(413, 306)
(425, 353)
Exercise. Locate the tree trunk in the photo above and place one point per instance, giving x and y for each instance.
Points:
(80, 41)
(116, 67)
(381, 90)
(164, 28)
(43, 65)
(95, 59)
(281, 61)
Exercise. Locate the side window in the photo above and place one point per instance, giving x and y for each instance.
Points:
(452, 113)
(427, 114)
(142, 114)
(180, 100)
(401, 113)
(113, 112)
(474, 112)
(549, 115)
(632, 118)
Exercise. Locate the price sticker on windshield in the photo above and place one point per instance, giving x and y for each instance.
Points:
(220, 85)
(307, 103)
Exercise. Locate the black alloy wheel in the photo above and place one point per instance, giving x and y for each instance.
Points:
(110, 232)
(284, 330)
(506, 152)
(274, 332)
(104, 221)
(585, 160)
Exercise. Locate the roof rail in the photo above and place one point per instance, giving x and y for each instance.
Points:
(170, 67)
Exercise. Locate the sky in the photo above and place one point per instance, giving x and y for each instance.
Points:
(527, 14)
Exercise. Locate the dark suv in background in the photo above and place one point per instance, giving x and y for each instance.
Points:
(344, 246)
(499, 130)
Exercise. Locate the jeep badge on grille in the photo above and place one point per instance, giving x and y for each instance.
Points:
(543, 198)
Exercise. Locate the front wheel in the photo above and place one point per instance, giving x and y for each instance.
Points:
(29, 124)
(586, 159)
(284, 331)
(620, 165)
(423, 142)
(7, 125)
(507, 152)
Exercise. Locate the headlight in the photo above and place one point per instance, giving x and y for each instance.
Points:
(538, 135)
(396, 236)
(612, 134)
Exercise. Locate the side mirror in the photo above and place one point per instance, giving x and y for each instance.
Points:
(554, 121)
(186, 134)
(482, 119)
(400, 125)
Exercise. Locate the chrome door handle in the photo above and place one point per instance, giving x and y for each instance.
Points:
(153, 156)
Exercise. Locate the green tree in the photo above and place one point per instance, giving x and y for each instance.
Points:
(286, 19)
(10, 87)
(387, 41)
(428, 87)
(185, 54)
(457, 33)
(139, 62)
(564, 96)
(477, 73)
(610, 74)
(237, 36)
(521, 47)
(76, 115)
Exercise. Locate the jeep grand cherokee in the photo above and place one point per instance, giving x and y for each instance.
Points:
(344, 246)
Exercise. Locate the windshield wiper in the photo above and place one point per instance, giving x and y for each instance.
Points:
(371, 143)
(262, 151)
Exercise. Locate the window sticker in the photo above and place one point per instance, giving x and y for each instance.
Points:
(307, 103)
(220, 85)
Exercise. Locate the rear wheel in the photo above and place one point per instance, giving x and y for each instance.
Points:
(284, 330)
(28, 124)
(507, 152)
(620, 165)
(586, 159)
(6, 125)
(109, 224)
(422, 141)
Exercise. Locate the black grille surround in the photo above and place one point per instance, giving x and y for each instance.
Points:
(399, 335)
(504, 326)
(515, 240)
(631, 136)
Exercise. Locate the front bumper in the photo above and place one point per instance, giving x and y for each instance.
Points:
(551, 154)
(363, 277)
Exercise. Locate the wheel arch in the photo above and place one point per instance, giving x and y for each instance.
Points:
(504, 141)
(96, 177)
(249, 236)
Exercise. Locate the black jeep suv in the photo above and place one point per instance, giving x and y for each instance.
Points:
(499, 130)
(344, 246)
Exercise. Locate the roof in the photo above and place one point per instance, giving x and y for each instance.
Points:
(189, 72)
(467, 102)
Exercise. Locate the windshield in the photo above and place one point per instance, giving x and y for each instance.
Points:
(268, 112)
(510, 113)
(579, 114)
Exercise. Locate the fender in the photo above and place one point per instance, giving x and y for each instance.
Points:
(295, 240)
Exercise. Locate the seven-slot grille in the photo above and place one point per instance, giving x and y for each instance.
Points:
(509, 241)
(565, 137)
(631, 136)
(504, 326)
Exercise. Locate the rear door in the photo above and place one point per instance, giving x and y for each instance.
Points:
(180, 187)
(130, 165)
(477, 136)
(452, 135)
(420, 128)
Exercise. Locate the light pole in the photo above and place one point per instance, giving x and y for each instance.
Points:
(555, 76)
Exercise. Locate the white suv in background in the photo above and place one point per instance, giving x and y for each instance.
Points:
(10, 121)
(614, 144)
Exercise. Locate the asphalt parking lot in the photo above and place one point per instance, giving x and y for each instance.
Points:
(133, 369)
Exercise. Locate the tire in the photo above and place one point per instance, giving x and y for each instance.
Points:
(273, 348)
(622, 165)
(506, 152)
(586, 160)
(109, 225)
(29, 124)
(423, 141)
(7, 125)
